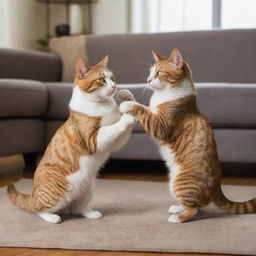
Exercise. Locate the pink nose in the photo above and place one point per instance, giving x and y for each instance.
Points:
(149, 80)
(113, 86)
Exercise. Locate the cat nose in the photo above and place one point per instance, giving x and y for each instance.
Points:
(113, 86)
(149, 80)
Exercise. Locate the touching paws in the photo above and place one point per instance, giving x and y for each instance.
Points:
(125, 95)
(126, 106)
(128, 119)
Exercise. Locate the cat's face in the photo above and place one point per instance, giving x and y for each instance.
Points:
(166, 72)
(97, 80)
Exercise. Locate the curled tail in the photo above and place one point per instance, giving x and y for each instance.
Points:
(23, 201)
(233, 207)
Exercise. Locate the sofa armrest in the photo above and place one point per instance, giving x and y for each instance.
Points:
(32, 65)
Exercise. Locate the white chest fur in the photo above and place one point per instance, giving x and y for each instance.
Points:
(173, 167)
(111, 117)
(81, 182)
(170, 94)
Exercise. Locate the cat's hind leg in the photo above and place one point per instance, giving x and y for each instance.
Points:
(50, 217)
(91, 214)
(87, 212)
(80, 207)
(176, 209)
(186, 215)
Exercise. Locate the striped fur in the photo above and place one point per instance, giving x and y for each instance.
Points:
(64, 178)
(185, 140)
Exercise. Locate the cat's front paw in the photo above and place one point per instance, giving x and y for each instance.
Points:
(128, 119)
(126, 106)
(125, 95)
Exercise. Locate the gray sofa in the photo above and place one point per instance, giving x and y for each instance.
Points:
(34, 102)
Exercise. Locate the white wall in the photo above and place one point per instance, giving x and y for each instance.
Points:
(4, 33)
(110, 16)
(22, 23)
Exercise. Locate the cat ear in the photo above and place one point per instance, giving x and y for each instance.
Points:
(157, 56)
(81, 68)
(176, 58)
(103, 62)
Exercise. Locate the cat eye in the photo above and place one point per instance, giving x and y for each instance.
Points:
(101, 79)
(159, 73)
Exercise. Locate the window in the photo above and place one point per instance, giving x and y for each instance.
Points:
(183, 15)
(238, 14)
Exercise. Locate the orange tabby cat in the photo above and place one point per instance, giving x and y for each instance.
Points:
(185, 139)
(64, 178)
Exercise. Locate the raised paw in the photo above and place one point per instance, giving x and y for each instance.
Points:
(176, 209)
(125, 95)
(93, 214)
(174, 219)
(127, 119)
(126, 106)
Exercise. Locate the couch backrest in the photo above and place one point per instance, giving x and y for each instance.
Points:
(214, 56)
(32, 65)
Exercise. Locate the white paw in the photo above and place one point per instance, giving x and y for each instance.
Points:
(127, 119)
(50, 217)
(174, 219)
(176, 209)
(126, 106)
(55, 219)
(93, 214)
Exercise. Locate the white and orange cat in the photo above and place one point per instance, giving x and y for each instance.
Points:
(185, 139)
(64, 178)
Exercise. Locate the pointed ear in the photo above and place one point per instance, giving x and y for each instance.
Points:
(103, 62)
(176, 58)
(81, 68)
(157, 56)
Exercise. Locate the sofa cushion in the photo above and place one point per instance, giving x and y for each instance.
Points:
(226, 105)
(22, 98)
(59, 95)
(23, 135)
(27, 64)
(234, 145)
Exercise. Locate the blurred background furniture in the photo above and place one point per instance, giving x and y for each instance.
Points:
(34, 100)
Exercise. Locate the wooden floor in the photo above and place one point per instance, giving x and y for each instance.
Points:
(12, 169)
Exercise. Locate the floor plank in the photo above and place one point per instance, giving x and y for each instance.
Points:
(58, 252)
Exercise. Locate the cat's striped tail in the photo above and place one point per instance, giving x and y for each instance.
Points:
(233, 207)
(23, 201)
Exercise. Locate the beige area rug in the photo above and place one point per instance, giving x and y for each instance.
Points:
(135, 219)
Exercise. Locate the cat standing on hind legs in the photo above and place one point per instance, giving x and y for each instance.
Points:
(64, 178)
(185, 139)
